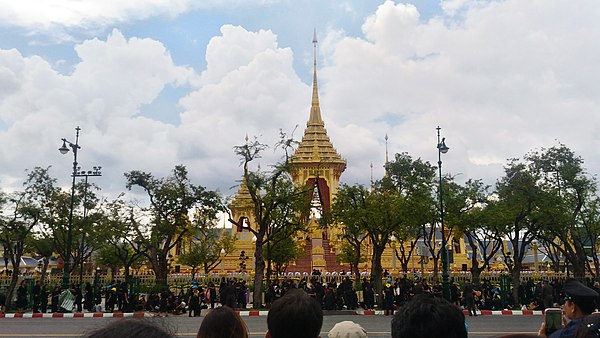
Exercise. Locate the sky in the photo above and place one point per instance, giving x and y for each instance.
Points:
(157, 83)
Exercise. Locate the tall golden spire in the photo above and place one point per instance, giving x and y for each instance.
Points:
(315, 109)
(315, 149)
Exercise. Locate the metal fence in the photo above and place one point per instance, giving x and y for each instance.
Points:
(182, 279)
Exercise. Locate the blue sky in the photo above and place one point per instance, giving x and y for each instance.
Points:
(156, 83)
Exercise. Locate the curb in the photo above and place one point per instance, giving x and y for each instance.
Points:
(76, 315)
(244, 314)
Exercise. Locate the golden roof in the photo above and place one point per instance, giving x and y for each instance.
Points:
(315, 146)
(242, 198)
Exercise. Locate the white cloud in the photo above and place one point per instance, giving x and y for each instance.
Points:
(102, 95)
(42, 15)
(501, 78)
(506, 80)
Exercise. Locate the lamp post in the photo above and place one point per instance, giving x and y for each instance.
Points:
(535, 257)
(222, 261)
(96, 282)
(442, 149)
(393, 241)
(64, 150)
(83, 173)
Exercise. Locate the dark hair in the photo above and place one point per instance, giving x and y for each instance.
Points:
(295, 315)
(222, 322)
(425, 316)
(131, 328)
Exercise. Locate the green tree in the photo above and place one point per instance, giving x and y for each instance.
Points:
(206, 250)
(171, 201)
(516, 216)
(399, 203)
(466, 208)
(43, 247)
(569, 196)
(282, 250)
(279, 206)
(349, 211)
(23, 212)
(590, 219)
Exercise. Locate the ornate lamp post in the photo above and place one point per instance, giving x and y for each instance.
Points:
(64, 150)
(86, 174)
(442, 149)
(222, 261)
(77, 172)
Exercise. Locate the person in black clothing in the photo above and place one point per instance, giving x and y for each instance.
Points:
(98, 298)
(222, 286)
(212, 294)
(329, 298)
(368, 294)
(2, 301)
(89, 297)
(44, 298)
(455, 293)
(78, 298)
(241, 294)
(123, 297)
(469, 298)
(194, 301)
(580, 302)
(36, 294)
(54, 301)
(388, 298)
(22, 297)
(229, 295)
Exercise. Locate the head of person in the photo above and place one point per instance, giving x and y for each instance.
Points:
(347, 329)
(425, 316)
(580, 300)
(222, 322)
(295, 315)
(131, 328)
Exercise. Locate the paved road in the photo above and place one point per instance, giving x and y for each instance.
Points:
(377, 326)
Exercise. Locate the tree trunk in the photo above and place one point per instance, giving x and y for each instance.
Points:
(436, 260)
(376, 273)
(516, 282)
(259, 271)
(44, 269)
(355, 272)
(578, 267)
(13, 284)
(476, 275)
(126, 268)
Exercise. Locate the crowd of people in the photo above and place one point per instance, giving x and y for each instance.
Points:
(332, 295)
(417, 307)
(298, 314)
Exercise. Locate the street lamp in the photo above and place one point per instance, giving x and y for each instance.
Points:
(222, 261)
(535, 256)
(86, 174)
(442, 149)
(64, 150)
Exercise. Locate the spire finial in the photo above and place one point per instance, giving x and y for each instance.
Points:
(387, 161)
(386, 149)
(371, 186)
(315, 109)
